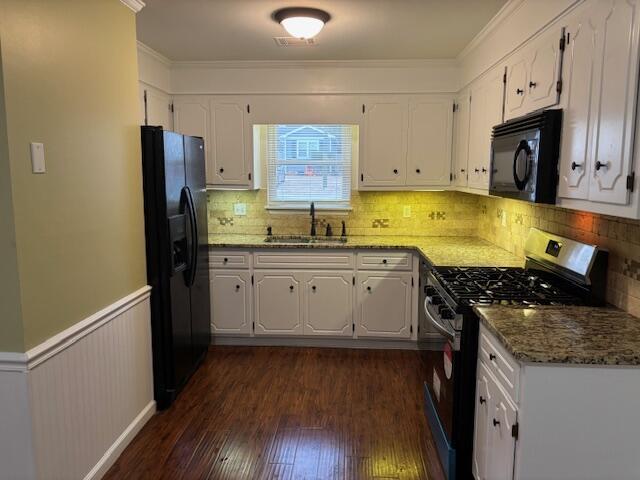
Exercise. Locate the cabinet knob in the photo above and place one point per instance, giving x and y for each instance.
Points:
(482, 400)
(519, 91)
(237, 287)
(492, 356)
(417, 170)
(291, 288)
(532, 84)
(575, 165)
(395, 170)
(221, 170)
(484, 170)
(495, 422)
(600, 165)
(384, 261)
(368, 289)
(313, 288)
(225, 260)
(462, 170)
(477, 170)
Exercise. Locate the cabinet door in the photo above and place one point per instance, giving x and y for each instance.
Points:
(502, 444)
(385, 143)
(461, 140)
(328, 304)
(278, 303)
(191, 117)
(515, 87)
(384, 305)
(230, 302)
(429, 148)
(483, 423)
(158, 107)
(614, 99)
(578, 79)
(231, 142)
(545, 60)
(487, 98)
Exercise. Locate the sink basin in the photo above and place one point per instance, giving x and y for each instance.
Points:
(304, 239)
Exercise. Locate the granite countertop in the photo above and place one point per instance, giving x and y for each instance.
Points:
(458, 251)
(565, 334)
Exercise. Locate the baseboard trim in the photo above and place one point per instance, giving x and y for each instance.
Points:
(114, 451)
(314, 342)
(71, 335)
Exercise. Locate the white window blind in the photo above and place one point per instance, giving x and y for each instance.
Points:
(309, 163)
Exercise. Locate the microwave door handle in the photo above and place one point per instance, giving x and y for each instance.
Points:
(447, 333)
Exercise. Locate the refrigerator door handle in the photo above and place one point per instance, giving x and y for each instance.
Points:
(190, 274)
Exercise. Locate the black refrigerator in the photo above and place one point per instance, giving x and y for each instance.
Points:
(175, 207)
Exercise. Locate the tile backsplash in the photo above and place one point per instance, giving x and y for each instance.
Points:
(373, 213)
(500, 221)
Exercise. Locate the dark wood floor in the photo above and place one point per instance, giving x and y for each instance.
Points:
(290, 413)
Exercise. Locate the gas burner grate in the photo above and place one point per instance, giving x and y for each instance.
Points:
(501, 286)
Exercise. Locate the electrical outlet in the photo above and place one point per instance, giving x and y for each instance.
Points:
(240, 209)
(406, 211)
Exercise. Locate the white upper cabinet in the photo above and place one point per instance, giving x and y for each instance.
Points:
(430, 138)
(224, 123)
(533, 75)
(231, 139)
(383, 163)
(157, 107)
(487, 96)
(461, 139)
(601, 78)
(406, 142)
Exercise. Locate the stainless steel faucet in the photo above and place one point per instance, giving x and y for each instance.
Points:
(313, 220)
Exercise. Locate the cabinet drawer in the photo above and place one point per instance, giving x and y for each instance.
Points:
(294, 259)
(229, 259)
(385, 261)
(501, 364)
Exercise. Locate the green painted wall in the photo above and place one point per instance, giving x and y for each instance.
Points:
(70, 81)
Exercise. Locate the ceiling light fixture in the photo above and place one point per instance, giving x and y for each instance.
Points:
(301, 22)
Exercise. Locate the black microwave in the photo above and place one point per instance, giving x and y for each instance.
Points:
(524, 157)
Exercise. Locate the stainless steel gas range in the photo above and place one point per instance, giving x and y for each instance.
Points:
(557, 271)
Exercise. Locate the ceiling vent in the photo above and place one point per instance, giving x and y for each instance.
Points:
(294, 42)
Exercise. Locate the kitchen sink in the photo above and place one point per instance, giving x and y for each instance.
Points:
(304, 239)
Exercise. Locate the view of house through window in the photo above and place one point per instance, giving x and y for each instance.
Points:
(308, 163)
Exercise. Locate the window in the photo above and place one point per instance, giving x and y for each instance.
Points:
(308, 163)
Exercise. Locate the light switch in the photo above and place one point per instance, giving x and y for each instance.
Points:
(37, 158)
(240, 209)
(406, 211)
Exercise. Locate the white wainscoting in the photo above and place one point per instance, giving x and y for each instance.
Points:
(89, 391)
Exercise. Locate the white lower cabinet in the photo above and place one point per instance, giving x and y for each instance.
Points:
(384, 304)
(328, 304)
(278, 303)
(230, 301)
(325, 294)
(501, 440)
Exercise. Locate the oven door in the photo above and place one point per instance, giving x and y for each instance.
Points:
(440, 363)
(514, 165)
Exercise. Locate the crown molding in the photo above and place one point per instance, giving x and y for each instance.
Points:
(154, 54)
(135, 5)
(302, 64)
(503, 14)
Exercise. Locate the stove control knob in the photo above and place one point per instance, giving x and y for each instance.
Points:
(446, 313)
(435, 300)
(430, 291)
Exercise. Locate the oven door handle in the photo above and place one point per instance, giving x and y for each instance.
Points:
(449, 334)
